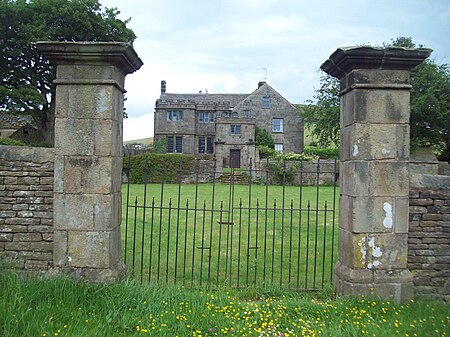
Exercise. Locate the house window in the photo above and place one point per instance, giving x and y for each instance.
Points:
(174, 115)
(277, 124)
(247, 113)
(226, 114)
(206, 145)
(205, 117)
(234, 114)
(279, 148)
(265, 102)
(235, 129)
(175, 144)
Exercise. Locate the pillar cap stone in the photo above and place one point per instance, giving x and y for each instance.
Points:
(120, 54)
(346, 59)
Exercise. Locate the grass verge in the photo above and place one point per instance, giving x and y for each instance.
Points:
(63, 307)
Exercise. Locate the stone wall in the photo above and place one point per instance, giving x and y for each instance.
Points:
(429, 235)
(26, 207)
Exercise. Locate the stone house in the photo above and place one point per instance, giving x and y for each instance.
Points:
(223, 125)
(19, 127)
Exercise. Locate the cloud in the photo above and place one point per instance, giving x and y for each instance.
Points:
(138, 127)
(220, 45)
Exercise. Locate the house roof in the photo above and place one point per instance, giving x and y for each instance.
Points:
(233, 99)
(10, 121)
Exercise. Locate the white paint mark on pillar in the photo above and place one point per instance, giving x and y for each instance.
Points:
(362, 249)
(385, 150)
(387, 221)
(355, 150)
(376, 253)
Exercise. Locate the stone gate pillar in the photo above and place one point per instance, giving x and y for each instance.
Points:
(88, 154)
(374, 179)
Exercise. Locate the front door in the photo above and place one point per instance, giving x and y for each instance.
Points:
(235, 158)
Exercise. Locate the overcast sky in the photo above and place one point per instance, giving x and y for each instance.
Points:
(223, 45)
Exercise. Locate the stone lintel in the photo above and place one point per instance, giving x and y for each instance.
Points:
(346, 59)
(120, 54)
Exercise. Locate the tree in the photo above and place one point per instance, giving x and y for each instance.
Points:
(26, 77)
(322, 115)
(430, 105)
(264, 138)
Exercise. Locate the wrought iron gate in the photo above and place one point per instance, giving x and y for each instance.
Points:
(269, 226)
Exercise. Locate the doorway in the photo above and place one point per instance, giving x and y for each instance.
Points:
(235, 158)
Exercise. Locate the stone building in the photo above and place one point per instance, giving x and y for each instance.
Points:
(223, 125)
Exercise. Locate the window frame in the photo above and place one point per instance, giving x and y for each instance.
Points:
(202, 114)
(265, 102)
(205, 145)
(280, 147)
(235, 129)
(174, 144)
(174, 115)
(280, 128)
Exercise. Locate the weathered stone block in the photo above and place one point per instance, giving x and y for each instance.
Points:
(375, 142)
(107, 211)
(75, 137)
(28, 180)
(88, 174)
(356, 275)
(89, 249)
(376, 106)
(27, 237)
(87, 102)
(17, 246)
(48, 237)
(421, 202)
(383, 251)
(30, 255)
(13, 227)
(74, 211)
(377, 178)
(6, 237)
(374, 214)
(36, 265)
(41, 246)
(58, 186)
(60, 257)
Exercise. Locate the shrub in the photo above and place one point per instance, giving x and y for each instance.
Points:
(322, 153)
(9, 141)
(150, 167)
(279, 173)
(264, 138)
(296, 156)
(266, 152)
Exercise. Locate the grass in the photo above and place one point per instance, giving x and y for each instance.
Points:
(63, 307)
(230, 234)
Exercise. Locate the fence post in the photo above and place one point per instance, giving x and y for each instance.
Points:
(374, 179)
(88, 155)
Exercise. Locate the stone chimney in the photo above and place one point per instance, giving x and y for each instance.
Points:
(163, 87)
(261, 83)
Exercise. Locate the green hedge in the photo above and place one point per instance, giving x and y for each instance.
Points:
(322, 153)
(156, 164)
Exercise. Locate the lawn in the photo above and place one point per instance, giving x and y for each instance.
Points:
(238, 235)
(63, 307)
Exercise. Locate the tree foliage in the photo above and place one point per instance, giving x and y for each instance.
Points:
(264, 138)
(430, 105)
(322, 113)
(26, 77)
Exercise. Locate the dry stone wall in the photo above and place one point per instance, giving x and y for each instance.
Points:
(26, 207)
(429, 236)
